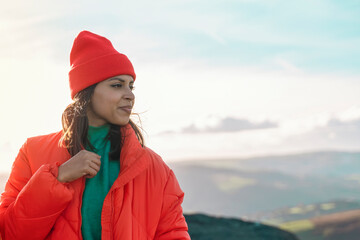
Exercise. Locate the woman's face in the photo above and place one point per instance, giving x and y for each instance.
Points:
(112, 101)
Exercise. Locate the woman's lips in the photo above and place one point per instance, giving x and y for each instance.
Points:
(126, 109)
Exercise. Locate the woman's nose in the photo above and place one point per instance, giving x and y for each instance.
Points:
(129, 94)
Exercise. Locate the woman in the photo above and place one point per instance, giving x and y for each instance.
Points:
(95, 179)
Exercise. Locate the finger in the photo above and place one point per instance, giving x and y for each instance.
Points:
(92, 154)
(90, 171)
(94, 166)
(96, 161)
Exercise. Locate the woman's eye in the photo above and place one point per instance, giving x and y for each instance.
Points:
(132, 88)
(116, 85)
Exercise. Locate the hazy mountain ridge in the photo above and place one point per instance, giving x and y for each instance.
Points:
(314, 195)
(328, 163)
(300, 212)
(244, 187)
(334, 226)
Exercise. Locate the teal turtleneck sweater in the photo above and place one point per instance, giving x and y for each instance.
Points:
(96, 188)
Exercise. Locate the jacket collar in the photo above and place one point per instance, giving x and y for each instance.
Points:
(133, 158)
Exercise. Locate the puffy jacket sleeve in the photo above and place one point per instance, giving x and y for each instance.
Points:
(172, 224)
(31, 203)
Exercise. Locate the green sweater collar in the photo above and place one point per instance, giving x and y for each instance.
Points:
(98, 134)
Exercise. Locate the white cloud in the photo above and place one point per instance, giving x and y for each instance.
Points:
(228, 124)
(183, 91)
(261, 142)
(349, 114)
(287, 65)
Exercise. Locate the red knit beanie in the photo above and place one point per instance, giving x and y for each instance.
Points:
(94, 59)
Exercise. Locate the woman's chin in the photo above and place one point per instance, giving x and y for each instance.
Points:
(121, 122)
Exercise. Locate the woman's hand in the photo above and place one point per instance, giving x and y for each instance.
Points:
(84, 163)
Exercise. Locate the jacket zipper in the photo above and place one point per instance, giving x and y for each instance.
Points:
(81, 195)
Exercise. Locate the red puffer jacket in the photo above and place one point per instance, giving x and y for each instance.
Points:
(143, 203)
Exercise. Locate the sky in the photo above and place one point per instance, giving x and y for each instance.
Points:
(215, 79)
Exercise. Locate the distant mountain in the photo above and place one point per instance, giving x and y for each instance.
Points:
(341, 225)
(300, 212)
(245, 187)
(203, 227)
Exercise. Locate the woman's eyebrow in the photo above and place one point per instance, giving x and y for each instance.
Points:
(119, 79)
